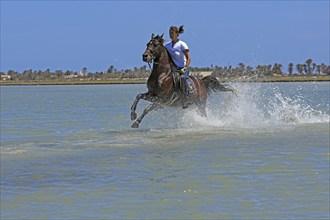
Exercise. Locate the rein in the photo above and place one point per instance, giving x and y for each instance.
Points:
(149, 64)
(153, 61)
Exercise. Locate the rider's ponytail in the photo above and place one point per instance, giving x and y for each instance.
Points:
(179, 30)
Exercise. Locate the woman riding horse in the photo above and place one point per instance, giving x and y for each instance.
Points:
(180, 55)
(162, 89)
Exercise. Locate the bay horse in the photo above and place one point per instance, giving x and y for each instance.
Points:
(162, 84)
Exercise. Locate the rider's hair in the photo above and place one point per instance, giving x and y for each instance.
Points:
(178, 30)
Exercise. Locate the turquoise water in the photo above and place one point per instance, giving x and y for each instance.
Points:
(68, 152)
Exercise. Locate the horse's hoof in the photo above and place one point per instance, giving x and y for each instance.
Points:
(133, 116)
(135, 125)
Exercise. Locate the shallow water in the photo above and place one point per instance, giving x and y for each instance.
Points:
(69, 152)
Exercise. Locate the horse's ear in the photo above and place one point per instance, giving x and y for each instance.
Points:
(152, 36)
(160, 38)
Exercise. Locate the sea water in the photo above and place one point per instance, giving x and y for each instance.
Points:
(68, 152)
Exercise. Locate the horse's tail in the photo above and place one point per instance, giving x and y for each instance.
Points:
(213, 85)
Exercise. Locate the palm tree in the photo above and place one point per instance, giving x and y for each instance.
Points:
(111, 69)
(318, 69)
(240, 70)
(305, 68)
(241, 66)
(309, 68)
(323, 68)
(258, 70)
(300, 68)
(290, 69)
(13, 75)
(269, 70)
(328, 70)
(313, 67)
(249, 71)
(279, 69)
(59, 73)
(84, 70)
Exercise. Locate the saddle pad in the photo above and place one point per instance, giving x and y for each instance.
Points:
(191, 86)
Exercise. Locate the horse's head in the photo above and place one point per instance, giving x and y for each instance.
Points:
(153, 48)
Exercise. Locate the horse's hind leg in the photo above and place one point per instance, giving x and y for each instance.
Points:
(144, 96)
(145, 111)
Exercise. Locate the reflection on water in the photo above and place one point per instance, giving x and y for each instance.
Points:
(69, 152)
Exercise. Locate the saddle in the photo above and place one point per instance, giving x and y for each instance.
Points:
(178, 83)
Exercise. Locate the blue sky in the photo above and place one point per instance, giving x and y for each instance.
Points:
(70, 35)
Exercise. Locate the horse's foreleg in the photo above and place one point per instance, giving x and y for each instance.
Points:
(145, 111)
(135, 103)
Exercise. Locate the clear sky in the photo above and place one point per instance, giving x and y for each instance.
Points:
(70, 35)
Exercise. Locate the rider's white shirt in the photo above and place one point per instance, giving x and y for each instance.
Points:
(176, 52)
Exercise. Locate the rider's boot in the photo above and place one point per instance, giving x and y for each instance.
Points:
(184, 94)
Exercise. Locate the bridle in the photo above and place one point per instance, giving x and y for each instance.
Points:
(153, 60)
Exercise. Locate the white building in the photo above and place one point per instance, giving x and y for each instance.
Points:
(5, 77)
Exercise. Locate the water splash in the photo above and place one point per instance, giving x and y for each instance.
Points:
(257, 106)
(294, 110)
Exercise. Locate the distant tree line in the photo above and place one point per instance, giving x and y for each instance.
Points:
(309, 68)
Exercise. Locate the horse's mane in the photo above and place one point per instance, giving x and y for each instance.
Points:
(172, 64)
(161, 39)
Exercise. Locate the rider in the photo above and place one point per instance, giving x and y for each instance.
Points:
(179, 52)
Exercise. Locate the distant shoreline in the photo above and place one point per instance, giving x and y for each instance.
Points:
(144, 81)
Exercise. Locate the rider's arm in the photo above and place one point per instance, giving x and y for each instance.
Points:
(187, 55)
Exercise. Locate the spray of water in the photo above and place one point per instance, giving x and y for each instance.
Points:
(257, 106)
(293, 110)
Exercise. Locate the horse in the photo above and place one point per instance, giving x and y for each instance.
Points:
(164, 83)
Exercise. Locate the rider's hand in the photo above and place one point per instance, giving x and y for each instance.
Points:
(183, 69)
